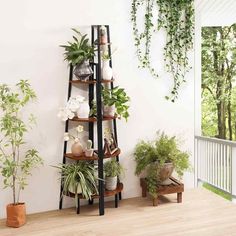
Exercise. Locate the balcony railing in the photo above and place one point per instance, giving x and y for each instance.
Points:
(215, 163)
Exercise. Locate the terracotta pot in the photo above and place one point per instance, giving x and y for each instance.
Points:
(16, 215)
(77, 149)
(165, 173)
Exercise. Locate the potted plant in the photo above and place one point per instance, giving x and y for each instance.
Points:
(158, 158)
(89, 150)
(75, 106)
(78, 53)
(79, 178)
(112, 170)
(77, 147)
(115, 102)
(16, 162)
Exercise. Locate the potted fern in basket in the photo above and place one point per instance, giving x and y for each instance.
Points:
(16, 164)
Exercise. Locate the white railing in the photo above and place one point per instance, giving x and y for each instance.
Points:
(215, 163)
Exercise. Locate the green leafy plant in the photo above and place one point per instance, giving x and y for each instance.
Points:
(15, 164)
(118, 97)
(150, 156)
(79, 175)
(113, 168)
(176, 17)
(79, 50)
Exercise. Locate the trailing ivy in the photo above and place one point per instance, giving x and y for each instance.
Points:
(176, 17)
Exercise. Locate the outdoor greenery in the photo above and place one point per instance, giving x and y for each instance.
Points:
(176, 17)
(150, 156)
(79, 50)
(16, 162)
(79, 176)
(218, 82)
(118, 97)
(113, 168)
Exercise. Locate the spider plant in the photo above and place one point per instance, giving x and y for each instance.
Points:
(79, 177)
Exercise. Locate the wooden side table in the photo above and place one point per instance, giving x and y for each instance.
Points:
(174, 187)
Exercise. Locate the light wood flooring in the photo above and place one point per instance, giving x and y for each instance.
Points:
(202, 213)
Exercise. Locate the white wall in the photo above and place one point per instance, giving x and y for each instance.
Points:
(30, 34)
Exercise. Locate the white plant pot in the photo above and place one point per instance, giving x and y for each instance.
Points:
(89, 152)
(106, 70)
(109, 110)
(83, 111)
(79, 190)
(111, 183)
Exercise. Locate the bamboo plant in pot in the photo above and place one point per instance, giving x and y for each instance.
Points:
(113, 171)
(78, 53)
(157, 159)
(115, 102)
(16, 164)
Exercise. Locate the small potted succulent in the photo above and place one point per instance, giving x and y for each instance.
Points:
(16, 162)
(79, 178)
(113, 170)
(157, 159)
(115, 102)
(76, 106)
(78, 53)
(77, 147)
(89, 150)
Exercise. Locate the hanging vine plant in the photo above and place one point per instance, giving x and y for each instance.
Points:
(176, 17)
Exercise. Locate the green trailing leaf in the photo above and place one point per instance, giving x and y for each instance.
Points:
(177, 19)
(113, 168)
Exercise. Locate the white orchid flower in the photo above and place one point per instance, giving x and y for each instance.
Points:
(66, 137)
(80, 98)
(80, 128)
(76, 140)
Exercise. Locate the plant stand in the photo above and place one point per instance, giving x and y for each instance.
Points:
(94, 84)
(174, 187)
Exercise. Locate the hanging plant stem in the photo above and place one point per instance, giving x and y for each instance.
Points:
(143, 40)
(176, 17)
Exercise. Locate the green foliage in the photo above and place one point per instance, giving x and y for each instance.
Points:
(118, 97)
(218, 81)
(177, 19)
(16, 166)
(79, 175)
(152, 155)
(113, 168)
(79, 50)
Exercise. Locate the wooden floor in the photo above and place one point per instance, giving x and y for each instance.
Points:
(201, 213)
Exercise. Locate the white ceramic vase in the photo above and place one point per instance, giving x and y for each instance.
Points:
(71, 189)
(106, 70)
(89, 152)
(83, 111)
(111, 183)
(109, 111)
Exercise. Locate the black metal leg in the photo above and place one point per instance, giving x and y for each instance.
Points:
(116, 200)
(61, 202)
(120, 196)
(78, 206)
(90, 201)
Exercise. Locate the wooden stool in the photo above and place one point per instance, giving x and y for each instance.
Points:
(174, 187)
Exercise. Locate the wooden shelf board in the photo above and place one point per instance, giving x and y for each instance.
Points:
(92, 119)
(93, 158)
(106, 192)
(90, 81)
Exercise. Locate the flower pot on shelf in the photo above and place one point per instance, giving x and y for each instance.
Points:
(16, 215)
(165, 173)
(84, 110)
(111, 183)
(109, 111)
(89, 152)
(106, 70)
(77, 149)
(72, 190)
(83, 70)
